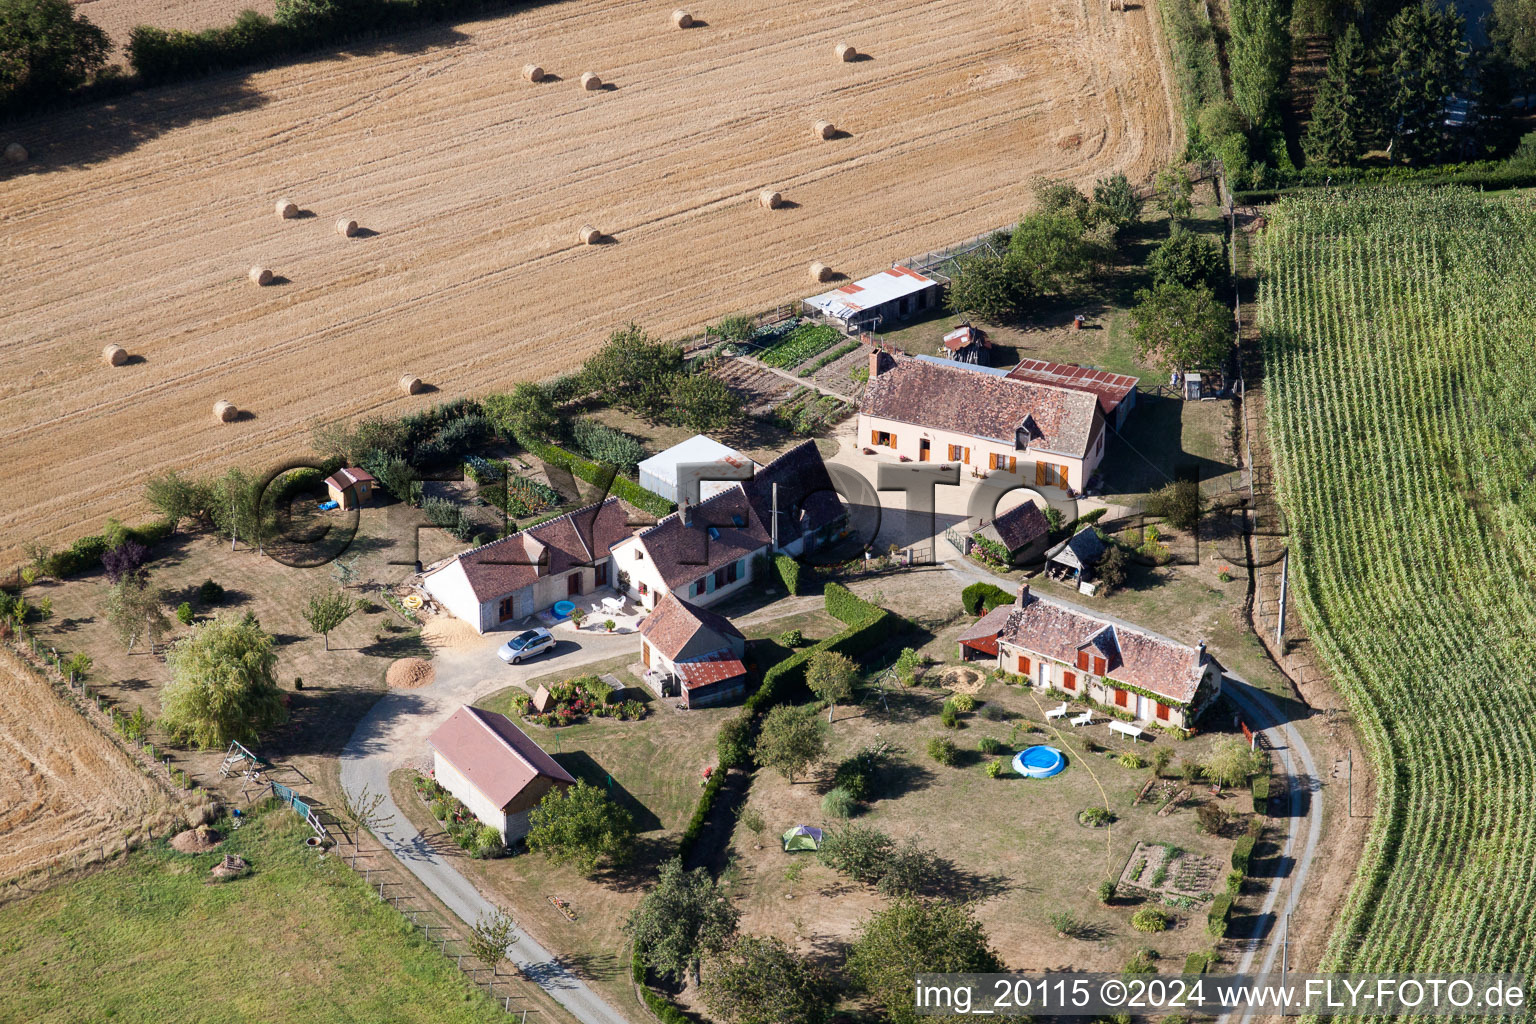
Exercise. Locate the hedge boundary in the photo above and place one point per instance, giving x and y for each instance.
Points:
(591, 472)
(85, 553)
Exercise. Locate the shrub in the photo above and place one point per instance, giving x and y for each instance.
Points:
(1106, 891)
(440, 809)
(752, 818)
(1096, 816)
(852, 776)
(1129, 760)
(1141, 961)
(1260, 786)
(996, 769)
(184, 613)
(1196, 963)
(487, 843)
(1149, 919)
(1213, 820)
(989, 745)
(1178, 502)
(789, 573)
(210, 593)
(77, 666)
(949, 716)
(733, 743)
(791, 638)
(909, 870)
(1190, 771)
(860, 852)
(839, 803)
(1242, 853)
(993, 713)
(979, 597)
(908, 662)
(1217, 916)
(602, 443)
(942, 750)
(963, 702)
(1066, 924)
(1161, 758)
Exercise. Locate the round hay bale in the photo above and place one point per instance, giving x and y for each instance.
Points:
(287, 209)
(346, 228)
(589, 235)
(682, 19)
(15, 153)
(224, 412)
(533, 72)
(825, 129)
(410, 385)
(769, 199)
(260, 275)
(821, 272)
(114, 355)
(590, 82)
(846, 53)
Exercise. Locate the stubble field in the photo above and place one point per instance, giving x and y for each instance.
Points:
(135, 224)
(64, 787)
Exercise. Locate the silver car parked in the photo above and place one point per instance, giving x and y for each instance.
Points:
(530, 643)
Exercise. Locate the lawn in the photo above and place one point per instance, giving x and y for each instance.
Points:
(1012, 844)
(297, 940)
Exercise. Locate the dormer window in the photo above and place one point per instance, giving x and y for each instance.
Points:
(714, 534)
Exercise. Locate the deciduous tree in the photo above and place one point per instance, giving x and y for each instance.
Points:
(702, 402)
(46, 49)
(135, 610)
(790, 741)
(1181, 327)
(581, 825)
(684, 917)
(223, 684)
(489, 938)
(757, 980)
(1188, 259)
(1259, 56)
(831, 676)
(910, 937)
(325, 612)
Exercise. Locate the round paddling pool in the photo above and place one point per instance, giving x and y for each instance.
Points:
(1039, 762)
(563, 609)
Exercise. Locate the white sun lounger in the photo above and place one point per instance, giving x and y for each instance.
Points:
(1086, 718)
(1059, 712)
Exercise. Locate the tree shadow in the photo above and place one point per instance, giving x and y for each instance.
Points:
(582, 765)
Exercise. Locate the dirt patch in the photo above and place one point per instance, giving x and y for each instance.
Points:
(410, 673)
(500, 180)
(196, 840)
(232, 866)
(64, 786)
(446, 631)
(962, 680)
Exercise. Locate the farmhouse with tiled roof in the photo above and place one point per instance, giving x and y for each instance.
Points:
(1116, 392)
(530, 570)
(692, 652)
(927, 409)
(1150, 677)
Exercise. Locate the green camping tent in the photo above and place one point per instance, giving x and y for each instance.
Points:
(802, 837)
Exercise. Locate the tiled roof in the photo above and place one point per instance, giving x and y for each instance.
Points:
(1141, 658)
(344, 478)
(717, 667)
(577, 538)
(1020, 527)
(1110, 388)
(982, 634)
(1084, 548)
(807, 501)
(964, 335)
(674, 622)
(723, 529)
(945, 397)
(493, 754)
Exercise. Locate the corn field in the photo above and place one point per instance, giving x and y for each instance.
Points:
(1400, 337)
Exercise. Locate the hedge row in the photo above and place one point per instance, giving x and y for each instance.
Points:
(592, 473)
(789, 572)
(1242, 853)
(867, 625)
(1219, 914)
(1260, 786)
(85, 554)
(659, 1005)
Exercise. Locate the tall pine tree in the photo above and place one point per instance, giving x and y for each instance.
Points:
(1260, 55)
(1339, 132)
(1423, 59)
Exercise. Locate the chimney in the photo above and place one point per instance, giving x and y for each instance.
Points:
(685, 511)
(1023, 598)
(1202, 650)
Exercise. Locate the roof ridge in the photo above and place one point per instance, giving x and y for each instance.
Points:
(528, 530)
(478, 715)
(735, 485)
(1106, 620)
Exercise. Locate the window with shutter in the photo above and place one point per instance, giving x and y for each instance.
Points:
(1162, 712)
(1082, 660)
(1098, 666)
(1069, 680)
(1121, 697)
(1023, 665)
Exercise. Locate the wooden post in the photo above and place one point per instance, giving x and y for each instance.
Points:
(1285, 566)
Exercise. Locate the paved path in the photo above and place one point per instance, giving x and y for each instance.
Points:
(397, 729)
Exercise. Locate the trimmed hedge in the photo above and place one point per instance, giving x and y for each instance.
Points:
(1260, 786)
(867, 625)
(1197, 963)
(980, 597)
(1219, 914)
(662, 1007)
(789, 573)
(1242, 853)
(591, 472)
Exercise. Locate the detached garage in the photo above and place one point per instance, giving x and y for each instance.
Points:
(494, 768)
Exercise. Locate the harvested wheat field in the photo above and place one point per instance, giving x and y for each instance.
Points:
(136, 225)
(64, 787)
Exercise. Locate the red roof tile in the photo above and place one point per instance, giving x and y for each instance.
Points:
(722, 529)
(495, 755)
(674, 622)
(1021, 526)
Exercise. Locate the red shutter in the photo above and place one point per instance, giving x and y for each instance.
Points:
(1098, 666)
(1082, 660)
(1069, 680)
(1120, 698)
(1023, 665)
(1162, 712)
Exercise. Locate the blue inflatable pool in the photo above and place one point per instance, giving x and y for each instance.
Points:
(1039, 762)
(563, 609)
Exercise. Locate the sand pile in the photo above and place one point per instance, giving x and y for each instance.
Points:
(445, 631)
(196, 840)
(962, 680)
(409, 673)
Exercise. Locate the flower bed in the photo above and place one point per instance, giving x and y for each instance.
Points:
(577, 699)
(476, 838)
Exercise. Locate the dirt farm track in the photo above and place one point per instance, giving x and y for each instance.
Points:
(135, 224)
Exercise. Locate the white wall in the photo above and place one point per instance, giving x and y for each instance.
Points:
(450, 587)
(908, 435)
(454, 782)
(641, 570)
